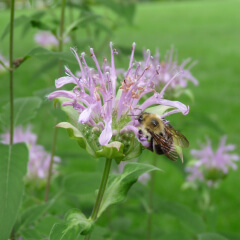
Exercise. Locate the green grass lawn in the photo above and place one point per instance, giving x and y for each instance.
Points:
(207, 31)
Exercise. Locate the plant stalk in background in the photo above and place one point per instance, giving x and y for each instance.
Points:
(11, 71)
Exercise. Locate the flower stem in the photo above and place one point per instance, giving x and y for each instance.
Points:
(11, 77)
(50, 165)
(100, 192)
(60, 46)
(150, 201)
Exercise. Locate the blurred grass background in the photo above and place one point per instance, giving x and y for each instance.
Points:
(207, 31)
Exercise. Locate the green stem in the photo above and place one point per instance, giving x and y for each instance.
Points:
(60, 47)
(100, 193)
(150, 201)
(50, 165)
(11, 71)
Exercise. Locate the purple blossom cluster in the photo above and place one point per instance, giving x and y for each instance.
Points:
(39, 159)
(169, 67)
(212, 165)
(105, 104)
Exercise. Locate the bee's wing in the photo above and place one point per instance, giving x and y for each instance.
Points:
(178, 138)
(168, 149)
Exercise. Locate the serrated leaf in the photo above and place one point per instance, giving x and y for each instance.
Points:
(211, 236)
(74, 133)
(77, 220)
(76, 223)
(24, 111)
(82, 183)
(13, 167)
(185, 216)
(119, 185)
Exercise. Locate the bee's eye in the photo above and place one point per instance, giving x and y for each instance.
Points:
(140, 119)
(154, 122)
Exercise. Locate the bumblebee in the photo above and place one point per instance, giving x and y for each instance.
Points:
(163, 138)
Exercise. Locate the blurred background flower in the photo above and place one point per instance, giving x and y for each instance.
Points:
(48, 40)
(169, 66)
(211, 166)
(39, 159)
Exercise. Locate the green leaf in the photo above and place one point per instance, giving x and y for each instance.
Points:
(31, 215)
(74, 133)
(24, 111)
(82, 183)
(76, 224)
(119, 185)
(77, 220)
(31, 2)
(13, 167)
(189, 219)
(41, 25)
(43, 52)
(211, 236)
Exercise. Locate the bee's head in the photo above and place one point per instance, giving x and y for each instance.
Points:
(142, 117)
(151, 121)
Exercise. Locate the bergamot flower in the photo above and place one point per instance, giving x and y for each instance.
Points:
(102, 112)
(212, 166)
(169, 66)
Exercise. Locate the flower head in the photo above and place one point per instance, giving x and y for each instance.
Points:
(212, 165)
(168, 68)
(39, 159)
(106, 110)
